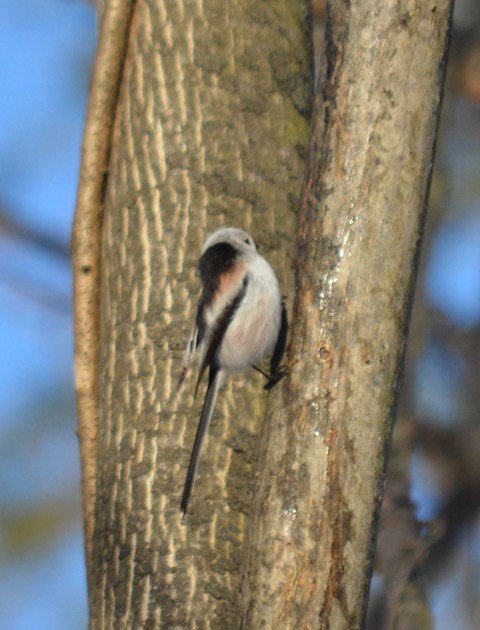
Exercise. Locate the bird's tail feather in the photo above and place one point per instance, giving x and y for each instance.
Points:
(215, 380)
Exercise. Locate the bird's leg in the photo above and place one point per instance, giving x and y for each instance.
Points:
(272, 379)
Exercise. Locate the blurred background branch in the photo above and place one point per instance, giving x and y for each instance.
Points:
(11, 228)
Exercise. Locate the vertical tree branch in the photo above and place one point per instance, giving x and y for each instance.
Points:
(211, 129)
(327, 432)
(86, 243)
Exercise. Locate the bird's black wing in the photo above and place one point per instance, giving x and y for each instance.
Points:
(277, 372)
(281, 344)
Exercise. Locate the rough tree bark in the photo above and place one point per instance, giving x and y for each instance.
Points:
(86, 245)
(360, 226)
(210, 128)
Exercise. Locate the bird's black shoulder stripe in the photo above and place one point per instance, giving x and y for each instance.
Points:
(217, 259)
(214, 262)
(219, 331)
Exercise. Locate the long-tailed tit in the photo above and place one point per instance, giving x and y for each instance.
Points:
(241, 319)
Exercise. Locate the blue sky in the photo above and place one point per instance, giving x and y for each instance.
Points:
(46, 54)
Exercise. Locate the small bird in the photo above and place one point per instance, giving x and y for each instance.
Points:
(241, 319)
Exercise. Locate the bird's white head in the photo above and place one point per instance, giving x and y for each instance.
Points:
(239, 239)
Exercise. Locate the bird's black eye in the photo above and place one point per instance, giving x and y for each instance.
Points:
(248, 241)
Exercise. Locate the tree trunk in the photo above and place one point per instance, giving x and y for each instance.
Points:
(211, 129)
(327, 432)
(86, 246)
(210, 105)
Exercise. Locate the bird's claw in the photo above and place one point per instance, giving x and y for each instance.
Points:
(273, 379)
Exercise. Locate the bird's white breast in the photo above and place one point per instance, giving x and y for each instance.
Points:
(253, 331)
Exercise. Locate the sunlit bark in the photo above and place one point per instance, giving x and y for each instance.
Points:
(86, 245)
(360, 227)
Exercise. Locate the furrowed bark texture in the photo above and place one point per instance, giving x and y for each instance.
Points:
(86, 245)
(211, 126)
(327, 431)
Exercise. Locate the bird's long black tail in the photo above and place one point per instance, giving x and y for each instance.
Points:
(214, 382)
